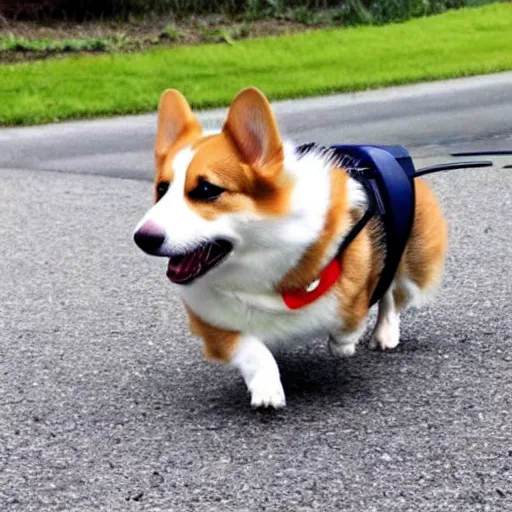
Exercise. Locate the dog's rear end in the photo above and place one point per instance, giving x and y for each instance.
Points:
(420, 270)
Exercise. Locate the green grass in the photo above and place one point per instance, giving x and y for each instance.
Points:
(457, 43)
(15, 43)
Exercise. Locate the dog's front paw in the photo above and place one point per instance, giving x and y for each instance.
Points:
(260, 372)
(267, 391)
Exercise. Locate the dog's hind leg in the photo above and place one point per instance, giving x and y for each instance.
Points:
(354, 310)
(386, 334)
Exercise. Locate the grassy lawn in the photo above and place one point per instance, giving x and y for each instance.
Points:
(457, 43)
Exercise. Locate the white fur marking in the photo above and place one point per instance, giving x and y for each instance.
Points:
(180, 166)
(356, 195)
(185, 229)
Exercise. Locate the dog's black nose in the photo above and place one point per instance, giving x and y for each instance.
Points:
(149, 237)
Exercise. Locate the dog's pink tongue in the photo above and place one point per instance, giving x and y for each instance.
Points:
(183, 267)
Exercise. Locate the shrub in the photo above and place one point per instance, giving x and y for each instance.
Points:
(347, 11)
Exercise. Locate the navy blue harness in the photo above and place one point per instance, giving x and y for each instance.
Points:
(387, 174)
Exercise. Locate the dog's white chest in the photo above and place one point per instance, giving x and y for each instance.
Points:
(262, 315)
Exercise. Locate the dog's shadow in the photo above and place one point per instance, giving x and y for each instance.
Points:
(312, 378)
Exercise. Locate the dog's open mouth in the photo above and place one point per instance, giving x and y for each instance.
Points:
(185, 267)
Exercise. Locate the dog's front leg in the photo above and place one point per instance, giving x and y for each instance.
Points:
(260, 372)
(246, 353)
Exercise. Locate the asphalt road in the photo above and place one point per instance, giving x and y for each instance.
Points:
(107, 404)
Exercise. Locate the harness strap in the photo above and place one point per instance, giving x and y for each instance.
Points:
(387, 174)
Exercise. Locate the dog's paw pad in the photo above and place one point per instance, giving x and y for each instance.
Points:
(267, 392)
(342, 350)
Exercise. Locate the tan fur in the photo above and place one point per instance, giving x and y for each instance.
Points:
(218, 344)
(218, 161)
(177, 127)
(424, 255)
(357, 280)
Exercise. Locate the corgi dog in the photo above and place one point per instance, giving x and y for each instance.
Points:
(246, 221)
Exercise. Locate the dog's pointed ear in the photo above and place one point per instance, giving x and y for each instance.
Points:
(252, 127)
(175, 120)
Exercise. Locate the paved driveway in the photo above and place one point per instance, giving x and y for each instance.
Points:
(106, 402)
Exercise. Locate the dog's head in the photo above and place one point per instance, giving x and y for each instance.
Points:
(227, 198)
(209, 188)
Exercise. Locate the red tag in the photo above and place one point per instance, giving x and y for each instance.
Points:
(296, 299)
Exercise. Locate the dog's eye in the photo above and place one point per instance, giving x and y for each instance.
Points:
(161, 189)
(205, 191)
